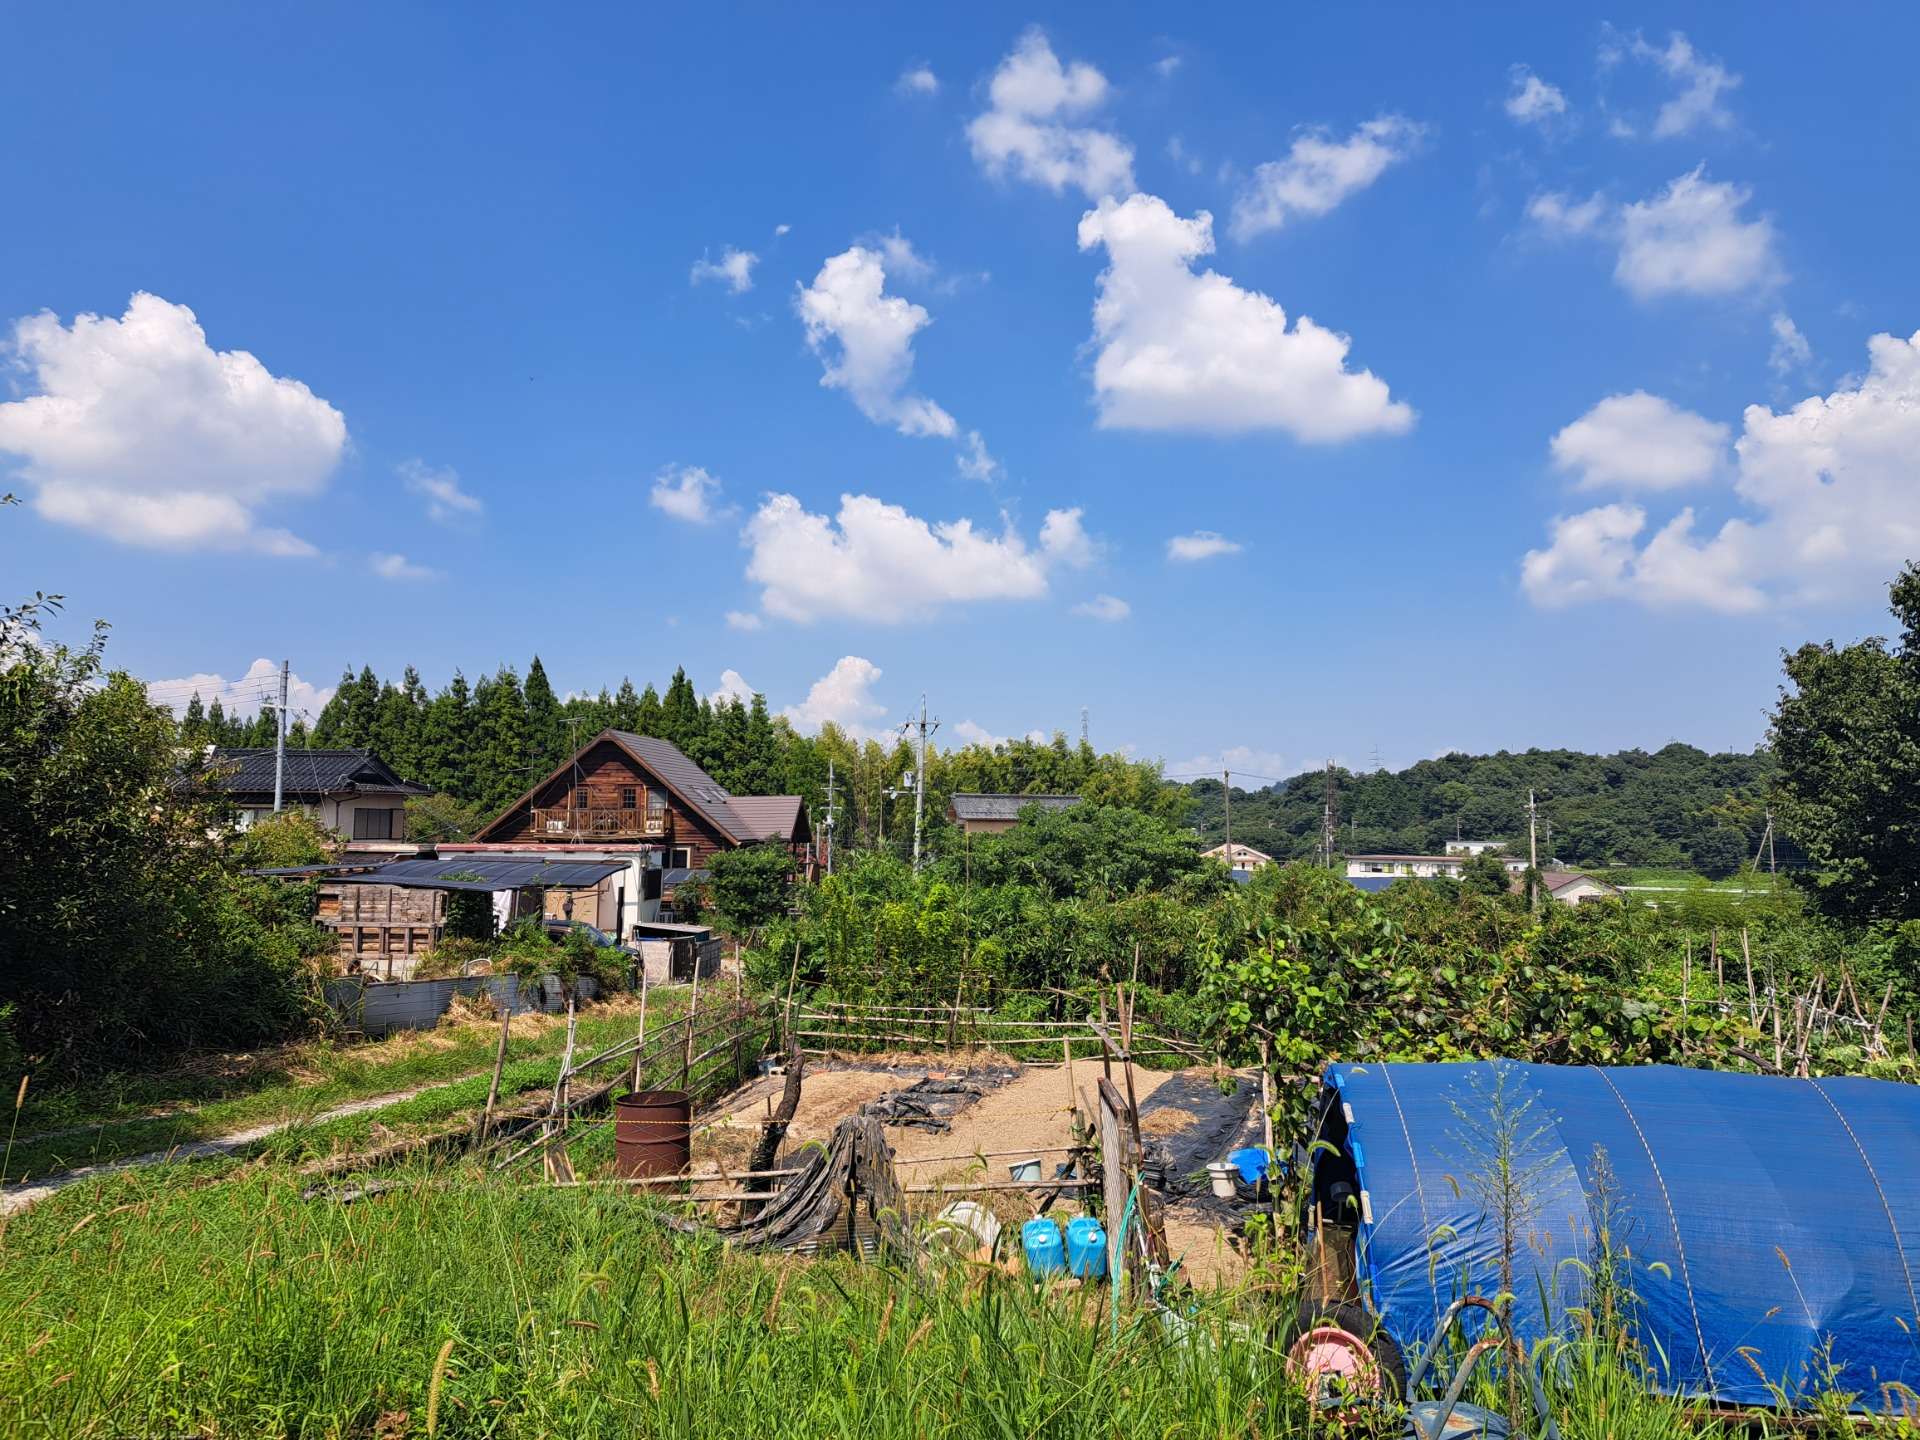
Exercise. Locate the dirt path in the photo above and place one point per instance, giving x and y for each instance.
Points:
(21, 1194)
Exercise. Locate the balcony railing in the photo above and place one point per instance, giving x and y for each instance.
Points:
(560, 820)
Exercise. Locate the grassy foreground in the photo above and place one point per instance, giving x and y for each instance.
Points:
(151, 1304)
(114, 1115)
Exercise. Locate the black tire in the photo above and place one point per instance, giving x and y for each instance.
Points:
(1362, 1323)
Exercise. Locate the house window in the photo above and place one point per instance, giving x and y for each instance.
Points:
(680, 857)
(656, 813)
(580, 800)
(629, 797)
(377, 824)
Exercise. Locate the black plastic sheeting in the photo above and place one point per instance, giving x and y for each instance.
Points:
(932, 1102)
(1177, 1163)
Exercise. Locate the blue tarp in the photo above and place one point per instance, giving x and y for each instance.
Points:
(1773, 1224)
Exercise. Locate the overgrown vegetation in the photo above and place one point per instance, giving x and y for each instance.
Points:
(127, 924)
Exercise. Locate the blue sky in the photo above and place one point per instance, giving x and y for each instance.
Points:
(379, 335)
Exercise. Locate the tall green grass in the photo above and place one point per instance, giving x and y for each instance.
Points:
(148, 1307)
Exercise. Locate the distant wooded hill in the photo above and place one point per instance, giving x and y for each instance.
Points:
(1674, 807)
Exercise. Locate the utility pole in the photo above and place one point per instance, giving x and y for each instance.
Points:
(829, 815)
(1329, 825)
(1083, 725)
(1226, 794)
(1533, 851)
(920, 781)
(280, 741)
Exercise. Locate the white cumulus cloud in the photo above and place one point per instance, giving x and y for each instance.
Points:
(734, 269)
(744, 620)
(877, 563)
(259, 685)
(1533, 101)
(1693, 238)
(1103, 607)
(1640, 442)
(842, 697)
(439, 486)
(1698, 84)
(138, 430)
(1028, 130)
(1184, 351)
(1791, 355)
(689, 493)
(733, 686)
(389, 566)
(1319, 172)
(1830, 509)
(1201, 545)
(864, 338)
(917, 80)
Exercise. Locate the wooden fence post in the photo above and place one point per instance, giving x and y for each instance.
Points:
(499, 1063)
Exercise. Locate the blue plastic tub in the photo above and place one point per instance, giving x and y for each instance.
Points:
(1086, 1248)
(1251, 1163)
(1040, 1238)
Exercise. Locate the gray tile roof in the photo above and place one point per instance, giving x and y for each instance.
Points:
(969, 806)
(248, 770)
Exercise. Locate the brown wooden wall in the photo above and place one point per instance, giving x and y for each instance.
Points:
(604, 769)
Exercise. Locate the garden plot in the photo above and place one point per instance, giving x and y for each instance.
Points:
(1185, 1118)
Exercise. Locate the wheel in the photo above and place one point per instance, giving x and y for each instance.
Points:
(1341, 1352)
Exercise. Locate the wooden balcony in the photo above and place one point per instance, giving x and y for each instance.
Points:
(600, 823)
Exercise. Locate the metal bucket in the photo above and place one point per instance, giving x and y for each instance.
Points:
(652, 1133)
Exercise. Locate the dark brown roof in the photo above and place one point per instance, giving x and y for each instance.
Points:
(771, 817)
(763, 816)
(686, 779)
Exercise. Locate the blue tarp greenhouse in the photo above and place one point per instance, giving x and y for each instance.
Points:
(1773, 1224)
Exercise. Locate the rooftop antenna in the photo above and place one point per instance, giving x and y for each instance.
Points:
(1083, 725)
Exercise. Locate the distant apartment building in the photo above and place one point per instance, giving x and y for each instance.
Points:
(1422, 867)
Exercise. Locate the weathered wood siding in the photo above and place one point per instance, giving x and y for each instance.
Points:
(603, 771)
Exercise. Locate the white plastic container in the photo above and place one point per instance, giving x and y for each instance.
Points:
(1224, 1176)
(1024, 1170)
(973, 1219)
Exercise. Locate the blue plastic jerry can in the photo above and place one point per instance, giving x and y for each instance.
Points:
(1040, 1238)
(1086, 1248)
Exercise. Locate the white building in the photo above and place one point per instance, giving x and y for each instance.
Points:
(1240, 857)
(1423, 867)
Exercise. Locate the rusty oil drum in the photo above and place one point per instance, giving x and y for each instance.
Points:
(652, 1133)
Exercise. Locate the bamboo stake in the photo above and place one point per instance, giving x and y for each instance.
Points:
(499, 1063)
(1686, 977)
(1753, 1003)
(555, 1160)
(1719, 975)
(693, 1006)
(640, 1037)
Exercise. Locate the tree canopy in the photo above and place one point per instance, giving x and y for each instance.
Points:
(1847, 736)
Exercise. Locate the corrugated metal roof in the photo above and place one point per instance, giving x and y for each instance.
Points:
(494, 874)
(248, 770)
(971, 806)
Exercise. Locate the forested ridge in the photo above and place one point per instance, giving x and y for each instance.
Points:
(1677, 806)
(481, 745)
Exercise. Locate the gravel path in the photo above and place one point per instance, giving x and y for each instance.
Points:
(20, 1195)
